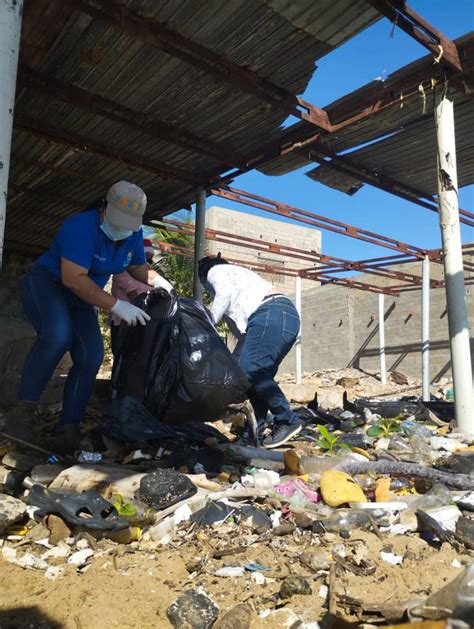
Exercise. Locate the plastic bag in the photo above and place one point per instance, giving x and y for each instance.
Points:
(177, 364)
(129, 420)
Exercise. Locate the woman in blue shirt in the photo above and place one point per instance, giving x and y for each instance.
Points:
(60, 294)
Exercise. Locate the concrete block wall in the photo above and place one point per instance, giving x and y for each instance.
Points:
(340, 328)
(269, 230)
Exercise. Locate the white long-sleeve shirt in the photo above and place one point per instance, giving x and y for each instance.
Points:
(238, 293)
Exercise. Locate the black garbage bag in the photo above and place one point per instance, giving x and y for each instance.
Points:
(127, 419)
(177, 364)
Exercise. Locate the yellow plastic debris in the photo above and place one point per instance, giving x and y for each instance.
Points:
(382, 490)
(338, 488)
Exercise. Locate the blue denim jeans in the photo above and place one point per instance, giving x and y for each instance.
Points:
(271, 332)
(63, 323)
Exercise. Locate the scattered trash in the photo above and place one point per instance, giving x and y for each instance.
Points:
(391, 558)
(254, 525)
(80, 557)
(230, 571)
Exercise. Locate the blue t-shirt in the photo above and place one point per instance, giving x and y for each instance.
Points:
(81, 240)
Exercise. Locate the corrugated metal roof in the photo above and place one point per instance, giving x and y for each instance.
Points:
(65, 155)
(389, 120)
(409, 156)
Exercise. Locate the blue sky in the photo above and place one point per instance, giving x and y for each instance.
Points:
(371, 54)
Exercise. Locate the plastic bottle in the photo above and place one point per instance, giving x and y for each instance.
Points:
(344, 520)
(399, 443)
(421, 449)
(143, 515)
(413, 428)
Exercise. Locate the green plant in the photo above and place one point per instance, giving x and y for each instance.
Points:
(178, 269)
(384, 428)
(330, 442)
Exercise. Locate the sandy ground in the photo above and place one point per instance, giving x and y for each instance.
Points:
(127, 588)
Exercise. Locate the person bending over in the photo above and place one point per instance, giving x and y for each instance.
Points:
(266, 324)
(60, 294)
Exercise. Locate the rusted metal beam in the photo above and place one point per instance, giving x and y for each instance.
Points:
(328, 264)
(316, 220)
(137, 120)
(161, 170)
(267, 268)
(383, 182)
(416, 26)
(350, 283)
(158, 35)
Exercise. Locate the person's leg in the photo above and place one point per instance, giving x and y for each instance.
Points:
(44, 303)
(45, 306)
(271, 332)
(87, 351)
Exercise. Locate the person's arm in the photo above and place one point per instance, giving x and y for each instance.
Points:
(221, 300)
(144, 273)
(75, 277)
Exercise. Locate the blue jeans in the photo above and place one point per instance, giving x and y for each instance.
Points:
(271, 332)
(63, 323)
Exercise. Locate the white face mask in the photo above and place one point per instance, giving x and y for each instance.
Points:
(113, 232)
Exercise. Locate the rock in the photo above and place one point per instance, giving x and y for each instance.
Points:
(285, 528)
(11, 510)
(165, 487)
(237, 618)
(398, 377)
(303, 520)
(20, 461)
(316, 560)
(45, 474)
(193, 609)
(338, 488)
(58, 529)
(293, 585)
(282, 618)
(347, 382)
(327, 396)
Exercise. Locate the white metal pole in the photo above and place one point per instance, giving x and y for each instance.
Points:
(453, 268)
(383, 367)
(11, 12)
(425, 330)
(298, 339)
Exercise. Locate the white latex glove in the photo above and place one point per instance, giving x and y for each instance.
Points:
(130, 313)
(160, 282)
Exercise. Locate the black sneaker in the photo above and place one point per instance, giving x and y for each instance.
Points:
(281, 434)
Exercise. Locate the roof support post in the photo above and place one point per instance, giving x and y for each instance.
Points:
(199, 238)
(298, 338)
(425, 330)
(11, 12)
(383, 366)
(453, 267)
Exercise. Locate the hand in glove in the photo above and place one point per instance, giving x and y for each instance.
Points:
(160, 282)
(130, 313)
